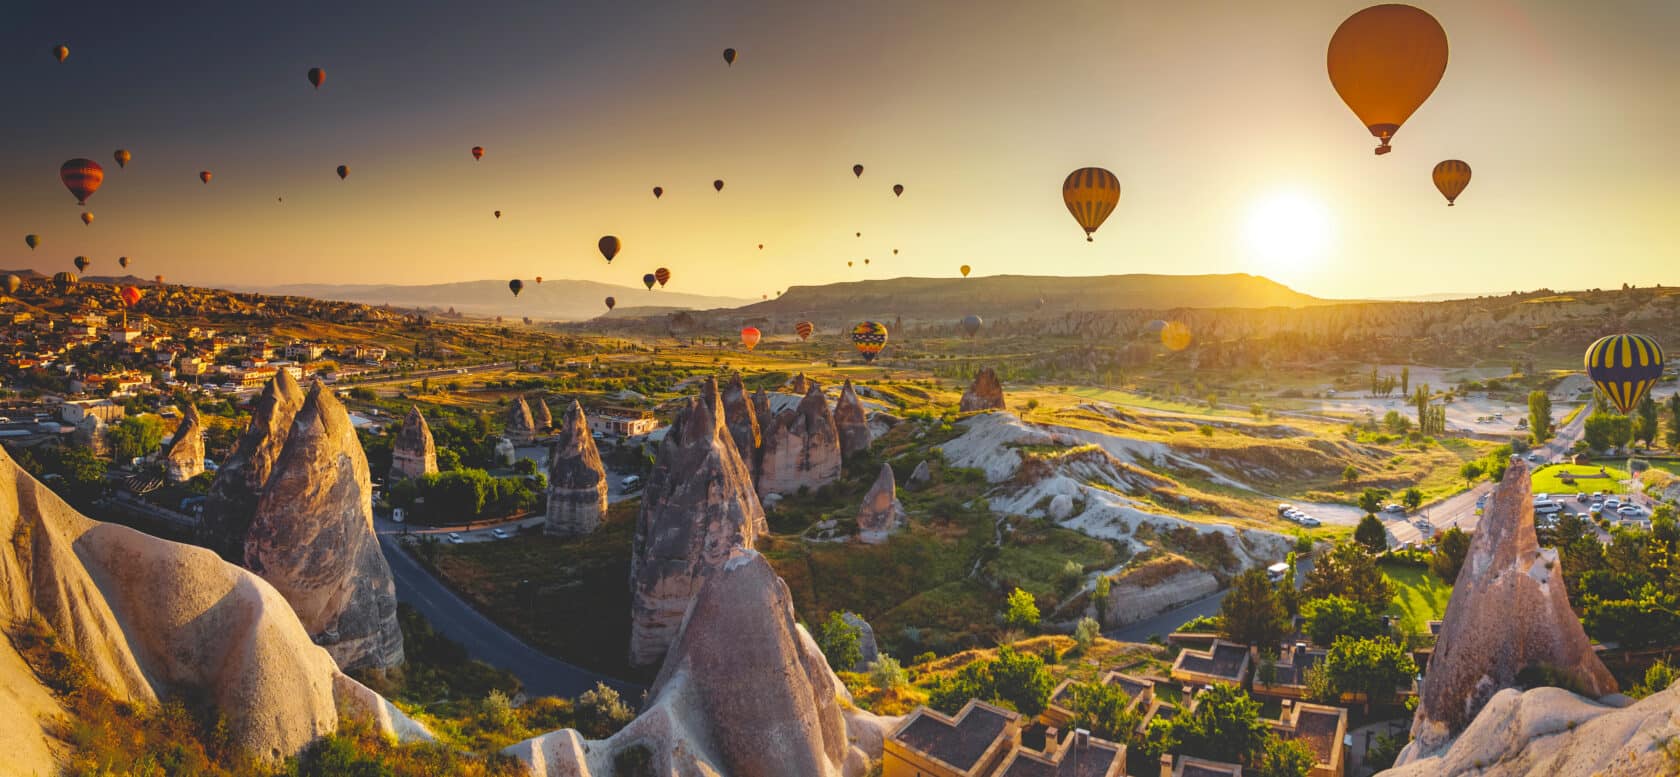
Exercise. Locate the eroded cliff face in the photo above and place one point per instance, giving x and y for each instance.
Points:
(801, 448)
(985, 393)
(577, 482)
(232, 500)
(740, 415)
(312, 538)
(851, 422)
(184, 460)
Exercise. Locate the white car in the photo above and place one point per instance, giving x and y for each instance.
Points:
(1612, 504)
(1540, 498)
(1630, 511)
(1547, 508)
(498, 534)
(1310, 522)
(1393, 508)
(454, 536)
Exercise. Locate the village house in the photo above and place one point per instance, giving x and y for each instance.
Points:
(973, 744)
(1223, 662)
(1321, 728)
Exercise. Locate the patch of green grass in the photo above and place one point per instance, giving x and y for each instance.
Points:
(1549, 480)
(1419, 596)
(1034, 555)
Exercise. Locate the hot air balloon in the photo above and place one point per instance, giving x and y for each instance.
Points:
(609, 246)
(87, 218)
(1451, 177)
(1624, 367)
(971, 324)
(611, 303)
(848, 264)
(729, 57)
(718, 184)
(866, 261)
(1176, 336)
(750, 336)
(895, 252)
(898, 190)
(498, 214)
(82, 263)
(343, 172)
(857, 171)
(516, 286)
(32, 241)
(65, 281)
(1154, 328)
(316, 77)
(130, 296)
(12, 283)
(123, 260)
(539, 280)
(204, 175)
(761, 246)
(662, 275)
(1384, 62)
(859, 234)
(964, 270)
(804, 329)
(158, 279)
(869, 337)
(658, 191)
(61, 52)
(478, 153)
(648, 280)
(122, 156)
(82, 177)
(1090, 193)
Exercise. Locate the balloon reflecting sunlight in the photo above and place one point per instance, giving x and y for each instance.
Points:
(1287, 234)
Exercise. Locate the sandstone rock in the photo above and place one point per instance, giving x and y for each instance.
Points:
(413, 454)
(797, 384)
(1061, 507)
(233, 495)
(312, 539)
(986, 393)
(698, 506)
(738, 415)
(1509, 611)
(541, 419)
(921, 476)
(90, 433)
(521, 428)
(850, 422)
(762, 413)
(868, 651)
(577, 483)
(801, 448)
(504, 452)
(881, 513)
(155, 620)
(184, 459)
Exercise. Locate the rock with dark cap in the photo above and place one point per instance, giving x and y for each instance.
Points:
(986, 393)
(577, 483)
(851, 422)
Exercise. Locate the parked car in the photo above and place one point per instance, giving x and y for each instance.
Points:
(1612, 503)
(1310, 522)
(454, 536)
(1276, 572)
(1425, 528)
(1595, 510)
(498, 534)
(1547, 508)
(1393, 508)
(1581, 497)
(1630, 511)
(1285, 509)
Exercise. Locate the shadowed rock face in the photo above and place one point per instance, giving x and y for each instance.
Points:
(742, 419)
(521, 428)
(413, 454)
(540, 417)
(185, 458)
(698, 506)
(801, 449)
(233, 496)
(312, 539)
(881, 513)
(797, 384)
(851, 422)
(1509, 611)
(577, 483)
(986, 393)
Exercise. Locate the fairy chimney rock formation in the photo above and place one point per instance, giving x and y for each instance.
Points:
(577, 483)
(413, 454)
(312, 539)
(797, 385)
(1509, 612)
(986, 393)
(801, 448)
(851, 422)
(541, 419)
(233, 495)
(185, 458)
(742, 420)
(521, 427)
(698, 506)
(881, 512)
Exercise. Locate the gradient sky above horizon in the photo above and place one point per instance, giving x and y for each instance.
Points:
(1205, 110)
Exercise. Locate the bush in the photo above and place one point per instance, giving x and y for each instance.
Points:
(1022, 611)
(1086, 633)
(887, 674)
(496, 712)
(841, 642)
(600, 712)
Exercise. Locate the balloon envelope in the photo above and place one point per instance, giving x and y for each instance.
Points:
(477, 152)
(87, 218)
(65, 281)
(1384, 62)
(13, 283)
(750, 336)
(611, 303)
(649, 279)
(1090, 194)
(32, 241)
(82, 177)
(898, 190)
(61, 52)
(869, 337)
(123, 260)
(1451, 177)
(516, 286)
(82, 263)
(971, 324)
(498, 214)
(130, 296)
(718, 184)
(662, 275)
(343, 172)
(658, 191)
(316, 77)
(122, 156)
(804, 329)
(729, 56)
(609, 246)
(964, 270)
(204, 175)
(1624, 368)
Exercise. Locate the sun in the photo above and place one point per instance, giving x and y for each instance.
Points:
(1287, 232)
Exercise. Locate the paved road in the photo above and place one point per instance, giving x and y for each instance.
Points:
(542, 675)
(1169, 621)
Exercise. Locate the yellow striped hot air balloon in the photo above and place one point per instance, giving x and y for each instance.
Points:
(1091, 193)
(1624, 367)
(1451, 177)
(869, 337)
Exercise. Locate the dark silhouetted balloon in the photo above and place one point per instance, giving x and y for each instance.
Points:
(611, 303)
(61, 52)
(662, 275)
(343, 172)
(869, 337)
(866, 261)
(1624, 368)
(82, 263)
(750, 336)
(539, 280)
(761, 246)
(130, 296)
(848, 264)
(971, 324)
(318, 76)
(204, 175)
(32, 241)
(122, 156)
(87, 218)
(516, 286)
(895, 252)
(82, 177)
(498, 214)
(857, 171)
(1384, 62)
(658, 191)
(1090, 193)
(478, 153)
(898, 190)
(65, 281)
(649, 279)
(718, 184)
(609, 246)
(729, 57)
(1451, 177)
(803, 329)
(123, 260)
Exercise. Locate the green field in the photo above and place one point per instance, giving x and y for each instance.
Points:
(1419, 596)
(1548, 480)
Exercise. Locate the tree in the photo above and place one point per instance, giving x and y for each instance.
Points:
(1450, 550)
(1350, 474)
(1374, 667)
(1287, 758)
(1672, 434)
(887, 674)
(1023, 610)
(1338, 616)
(1104, 586)
(1371, 534)
(600, 712)
(1017, 680)
(1349, 570)
(840, 642)
(1607, 430)
(1645, 420)
(1225, 726)
(1412, 498)
(1540, 416)
(1101, 710)
(1371, 499)
(1405, 380)
(1085, 633)
(135, 436)
(1251, 613)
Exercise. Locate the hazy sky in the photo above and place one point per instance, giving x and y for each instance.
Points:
(1209, 112)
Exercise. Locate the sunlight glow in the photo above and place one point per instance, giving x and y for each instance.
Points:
(1287, 232)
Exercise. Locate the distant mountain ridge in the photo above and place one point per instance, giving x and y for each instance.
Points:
(556, 299)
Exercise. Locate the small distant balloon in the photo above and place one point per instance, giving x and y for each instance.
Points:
(32, 241)
(895, 252)
(87, 218)
(478, 153)
(858, 234)
(65, 281)
(761, 246)
(204, 175)
(729, 57)
(804, 329)
(848, 264)
(123, 260)
(343, 172)
(158, 279)
(1450, 178)
(122, 156)
(61, 52)
(718, 184)
(857, 171)
(964, 270)
(82, 177)
(609, 246)
(866, 261)
(750, 336)
(611, 303)
(82, 263)
(539, 280)
(498, 214)
(12, 283)
(658, 191)
(662, 275)
(318, 76)
(648, 280)
(1176, 336)
(516, 286)
(898, 190)
(971, 324)
(130, 296)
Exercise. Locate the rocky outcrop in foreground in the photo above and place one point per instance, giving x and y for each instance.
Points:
(413, 453)
(155, 620)
(185, 458)
(699, 505)
(233, 495)
(986, 393)
(882, 513)
(801, 448)
(521, 428)
(745, 692)
(1509, 612)
(312, 538)
(577, 483)
(851, 422)
(742, 420)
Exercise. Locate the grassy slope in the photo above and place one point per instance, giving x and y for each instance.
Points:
(1547, 480)
(1419, 596)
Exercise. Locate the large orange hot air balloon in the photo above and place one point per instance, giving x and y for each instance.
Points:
(343, 172)
(87, 218)
(804, 329)
(662, 275)
(1090, 193)
(130, 296)
(204, 175)
(61, 52)
(316, 77)
(478, 153)
(1384, 62)
(82, 177)
(729, 57)
(1451, 177)
(750, 336)
(609, 246)
(122, 156)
